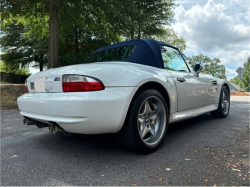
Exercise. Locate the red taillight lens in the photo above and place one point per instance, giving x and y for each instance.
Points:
(79, 83)
(26, 87)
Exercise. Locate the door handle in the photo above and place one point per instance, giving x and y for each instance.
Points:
(181, 79)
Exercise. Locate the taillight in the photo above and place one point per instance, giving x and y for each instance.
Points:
(26, 87)
(80, 83)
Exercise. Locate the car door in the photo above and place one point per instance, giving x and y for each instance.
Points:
(212, 83)
(192, 91)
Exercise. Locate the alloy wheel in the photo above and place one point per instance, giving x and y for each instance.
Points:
(152, 120)
(225, 102)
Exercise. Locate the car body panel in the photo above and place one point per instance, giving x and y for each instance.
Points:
(105, 111)
(114, 74)
(191, 113)
(194, 92)
(84, 112)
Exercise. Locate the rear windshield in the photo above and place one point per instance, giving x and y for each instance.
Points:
(113, 54)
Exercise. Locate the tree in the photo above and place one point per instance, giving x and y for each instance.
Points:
(210, 66)
(235, 80)
(43, 18)
(244, 83)
(19, 48)
(246, 75)
(145, 18)
(13, 68)
(171, 38)
(82, 26)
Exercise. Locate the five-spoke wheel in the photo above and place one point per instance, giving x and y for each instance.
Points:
(151, 120)
(146, 122)
(225, 103)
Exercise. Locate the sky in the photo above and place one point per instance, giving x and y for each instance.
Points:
(216, 28)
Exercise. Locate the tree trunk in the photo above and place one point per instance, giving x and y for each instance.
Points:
(139, 33)
(41, 62)
(132, 35)
(53, 34)
(76, 41)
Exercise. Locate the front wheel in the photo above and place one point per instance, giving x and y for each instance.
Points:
(224, 104)
(146, 123)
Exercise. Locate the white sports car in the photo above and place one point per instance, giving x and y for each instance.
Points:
(134, 88)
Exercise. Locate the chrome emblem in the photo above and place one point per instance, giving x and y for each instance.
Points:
(57, 79)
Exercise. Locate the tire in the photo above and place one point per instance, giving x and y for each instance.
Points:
(146, 123)
(224, 104)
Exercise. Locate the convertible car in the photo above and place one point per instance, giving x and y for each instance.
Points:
(134, 89)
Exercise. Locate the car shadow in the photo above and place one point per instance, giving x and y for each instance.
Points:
(107, 144)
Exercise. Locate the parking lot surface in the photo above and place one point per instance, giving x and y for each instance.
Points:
(199, 151)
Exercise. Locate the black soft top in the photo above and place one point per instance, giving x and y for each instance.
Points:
(147, 51)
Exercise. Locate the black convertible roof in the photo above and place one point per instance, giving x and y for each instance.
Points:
(147, 51)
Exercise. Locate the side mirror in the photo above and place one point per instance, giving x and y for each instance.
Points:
(197, 69)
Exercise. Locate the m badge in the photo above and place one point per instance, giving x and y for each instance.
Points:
(57, 79)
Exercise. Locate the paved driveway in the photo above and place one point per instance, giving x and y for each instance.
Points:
(200, 151)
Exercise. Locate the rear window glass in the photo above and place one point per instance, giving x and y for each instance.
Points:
(113, 54)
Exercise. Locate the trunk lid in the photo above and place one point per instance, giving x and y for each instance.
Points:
(111, 74)
(49, 80)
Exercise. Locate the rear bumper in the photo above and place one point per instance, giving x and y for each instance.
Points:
(80, 112)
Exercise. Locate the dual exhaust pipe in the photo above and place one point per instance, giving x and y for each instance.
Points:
(52, 128)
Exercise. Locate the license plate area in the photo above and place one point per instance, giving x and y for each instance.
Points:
(32, 85)
(39, 84)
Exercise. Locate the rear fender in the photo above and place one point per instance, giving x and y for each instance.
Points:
(125, 74)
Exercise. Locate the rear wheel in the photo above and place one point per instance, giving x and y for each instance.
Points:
(224, 104)
(146, 123)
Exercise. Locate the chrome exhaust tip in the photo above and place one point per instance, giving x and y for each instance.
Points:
(25, 121)
(55, 129)
(29, 122)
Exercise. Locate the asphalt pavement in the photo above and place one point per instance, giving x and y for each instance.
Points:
(200, 151)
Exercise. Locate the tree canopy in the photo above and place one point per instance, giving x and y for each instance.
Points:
(210, 66)
(245, 81)
(13, 68)
(61, 32)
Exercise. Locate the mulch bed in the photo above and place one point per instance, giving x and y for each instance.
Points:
(237, 93)
(9, 95)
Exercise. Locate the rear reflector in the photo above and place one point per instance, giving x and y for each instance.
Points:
(80, 83)
(26, 87)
